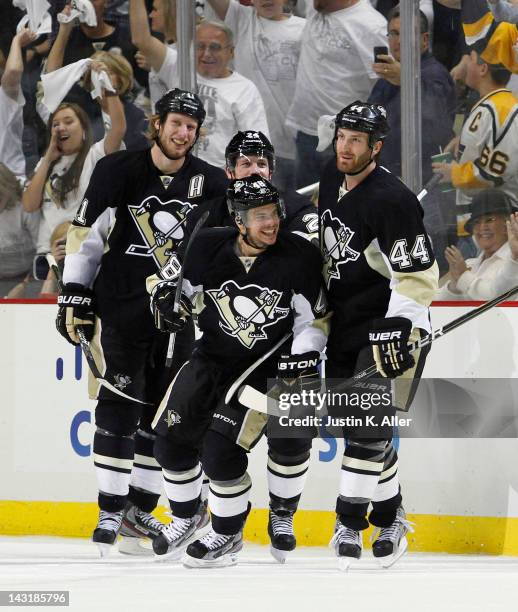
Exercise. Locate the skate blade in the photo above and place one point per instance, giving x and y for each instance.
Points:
(223, 561)
(172, 555)
(176, 553)
(345, 563)
(142, 547)
(386, 562)
(104, 549)
(279, 555)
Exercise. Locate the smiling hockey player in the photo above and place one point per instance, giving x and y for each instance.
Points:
(132, 218)
(253, 285)
(381, 276)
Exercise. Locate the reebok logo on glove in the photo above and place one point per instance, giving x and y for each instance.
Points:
(74, 300)
(377, 336)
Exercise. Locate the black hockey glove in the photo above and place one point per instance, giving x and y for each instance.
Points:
(76, 307)
(389, 340)
(162, 306)
(301, 369)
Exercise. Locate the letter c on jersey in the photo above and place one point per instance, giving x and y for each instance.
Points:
(83, 450)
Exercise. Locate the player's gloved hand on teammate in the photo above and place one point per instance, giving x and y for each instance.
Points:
(75, 307)
(301, 369)
(389, 340)
(162, 306)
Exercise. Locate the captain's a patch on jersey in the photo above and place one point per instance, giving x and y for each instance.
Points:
(335, 240)
(247, 311)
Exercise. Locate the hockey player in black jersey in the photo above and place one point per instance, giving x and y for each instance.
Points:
(252, 153)
(252, 285)
(132, 218)
(381, 276)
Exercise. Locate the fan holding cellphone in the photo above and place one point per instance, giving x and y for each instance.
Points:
(380, 51)
(386, 66)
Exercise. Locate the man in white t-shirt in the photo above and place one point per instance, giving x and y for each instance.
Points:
(267, 52)
(335, 68)
(232, 102)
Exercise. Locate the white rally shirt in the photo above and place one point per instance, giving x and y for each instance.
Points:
(54, 213)
(267, 52)
(232, 103)
(335, 66)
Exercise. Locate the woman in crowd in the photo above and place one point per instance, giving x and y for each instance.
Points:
(64, 171)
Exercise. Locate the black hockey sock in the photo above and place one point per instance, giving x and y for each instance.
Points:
(111, 503)
(184, 509)
(281, 504)
(230, 525)
(144, 500)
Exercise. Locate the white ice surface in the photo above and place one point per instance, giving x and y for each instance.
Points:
(309, 580)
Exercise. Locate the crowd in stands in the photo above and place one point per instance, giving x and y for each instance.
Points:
(80, 78)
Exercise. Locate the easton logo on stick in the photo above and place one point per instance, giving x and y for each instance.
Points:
(162, 227)
(335, 240)
(247, 311)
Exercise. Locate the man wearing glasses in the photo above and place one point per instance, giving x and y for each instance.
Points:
(232, 102)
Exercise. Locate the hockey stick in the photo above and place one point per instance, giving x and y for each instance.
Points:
(179, 282)
(251, 398)
(442, 331)
(235, 386)
(145, 251)
(85, 345)
(429, 186)
(308, 189)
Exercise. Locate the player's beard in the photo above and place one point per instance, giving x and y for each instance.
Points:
(173, 151)
(354, 165)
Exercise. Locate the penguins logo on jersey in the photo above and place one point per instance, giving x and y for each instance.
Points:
(172, 418)
(335, 239)
(161, 225)
(122, 381)
(247, 311)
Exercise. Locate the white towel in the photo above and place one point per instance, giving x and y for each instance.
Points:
(326, 131)
(57, 84)
(38, 18)
(82, 10)
(100, 81)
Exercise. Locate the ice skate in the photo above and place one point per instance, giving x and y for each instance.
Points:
(171, 543)
(138, 530)
(391, 542)
(105, 534)
(213, 550)
(280, 530)
(347, 544)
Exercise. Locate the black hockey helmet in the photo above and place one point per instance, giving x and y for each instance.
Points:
(183, 102)
(364, 117)
(251, 192)
(249, 143)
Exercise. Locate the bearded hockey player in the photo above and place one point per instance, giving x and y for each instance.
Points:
(381, 276)
(252, 153)
(253, 285)
(132, 218)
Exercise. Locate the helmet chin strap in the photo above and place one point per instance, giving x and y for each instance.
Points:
(250, 243)
(371, 159)
(247, 240)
